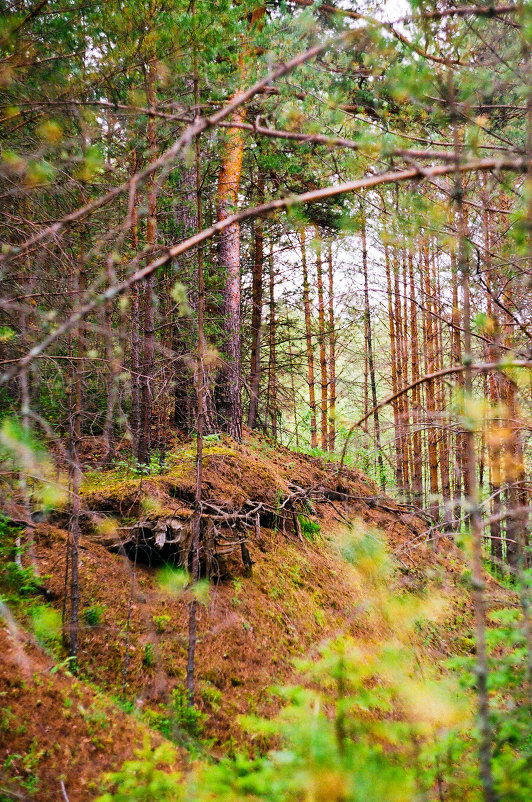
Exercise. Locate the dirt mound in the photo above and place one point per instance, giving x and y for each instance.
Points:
(246, 487)
(251, 624)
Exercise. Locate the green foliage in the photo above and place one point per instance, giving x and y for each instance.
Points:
(20, 450)
(309, 529)
(144, 779)
(93, 615)
(156, 466)
(237, 588)
(148, 655)
(173, 580)
(16, 582)
(161, 622)
(337, 738)
(179, 721)
(374, 719)
(47, 625)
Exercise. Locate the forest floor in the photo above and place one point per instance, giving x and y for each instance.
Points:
(56, 727)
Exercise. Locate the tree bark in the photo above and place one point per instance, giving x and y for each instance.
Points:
(229, 380)
(271, 395)
(135, 326)
(148, 311)
(256, 311)
(201, 384)
(308, 340)
(371, 361)
(485, 744)
(332, 354)
(321, 338)
(399, 478)
(417, 473)
(431, 399)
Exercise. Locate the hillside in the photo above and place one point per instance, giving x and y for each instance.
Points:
(298, 594)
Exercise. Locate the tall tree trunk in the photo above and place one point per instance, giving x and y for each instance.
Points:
(293, 387)
(112, 362)
(256, 311)
(494, 397)
(78, 288)
(371, 362)
(409, 463)
(399, 477)
(135, 324)
(332, 354)
(456, 352)
(402, 404)
(431, 399)
(417, 473)
(472, 497)
(321, 337)
(271, 396)
(184, 328)
(201, 398)
(148, 311)
(440, 404)
(229, 380)
(308, 340)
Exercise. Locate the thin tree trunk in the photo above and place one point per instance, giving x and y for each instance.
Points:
(456, 358)
(200, 377)
(148, 343)
(135, 325)
(443, 438)
(431, 402)
(78, 288)
(332, 354)
(271, 396)
(112, 363)
(417, 473)
(293, 388)
(371, 363)
(399, 478)
(473, 502)
(402, 408)
(308, 340)
(256, 312)
(409, 463)
(323, 354)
